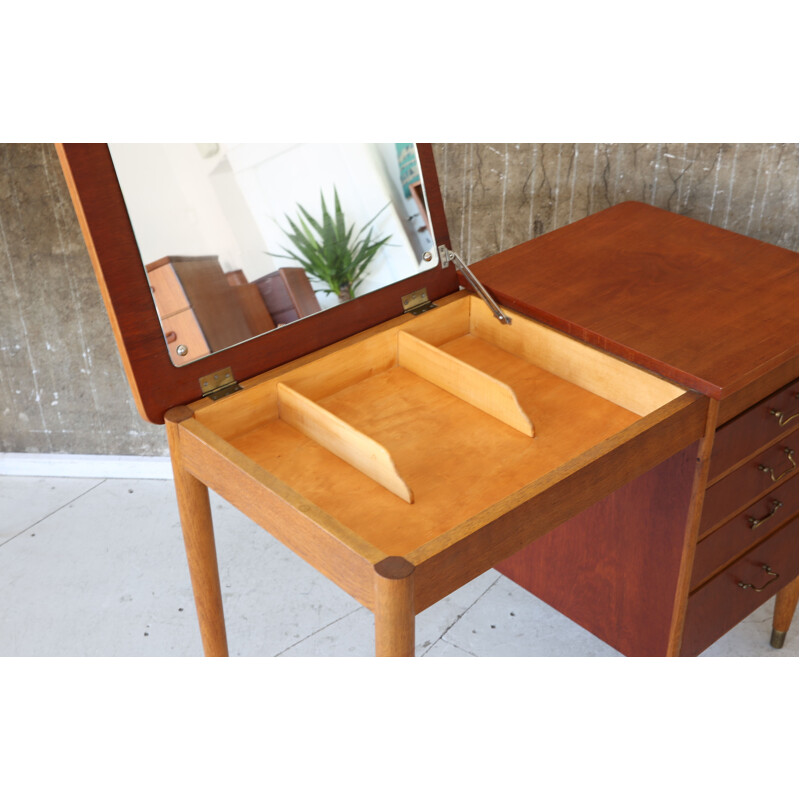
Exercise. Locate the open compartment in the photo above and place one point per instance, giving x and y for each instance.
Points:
(419, 358)
(405, 432)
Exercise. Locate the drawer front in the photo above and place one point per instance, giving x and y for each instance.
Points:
(741, 487)
(753, 429)
(167, 291)
(744, 530)
(184, 329)
(277, 298)
(723, 602)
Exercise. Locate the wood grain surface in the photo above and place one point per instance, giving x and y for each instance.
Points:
(711, 309)
(198, 536)
(474, 386)
(746, 528)
(343, 440)
(742, 486)
(614, 568)
(721, 603)
(768, 420)
(394, 607)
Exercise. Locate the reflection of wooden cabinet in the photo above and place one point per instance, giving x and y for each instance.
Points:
(255, 311)
(200, 310)
(288, 294)
(419, 199)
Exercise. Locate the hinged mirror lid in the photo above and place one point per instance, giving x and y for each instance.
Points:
(157, 383)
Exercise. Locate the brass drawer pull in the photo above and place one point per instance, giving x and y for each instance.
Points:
(789, 453)
(769, 571)
(754, 523)
(779, 415)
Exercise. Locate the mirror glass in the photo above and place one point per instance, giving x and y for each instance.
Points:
(238, 239)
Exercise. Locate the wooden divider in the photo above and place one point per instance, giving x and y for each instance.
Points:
(600, 373)
(343, 440)
(462, 380)
(427, 362)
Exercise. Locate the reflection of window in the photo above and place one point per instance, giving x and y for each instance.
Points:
(230, 199)
(409, 167)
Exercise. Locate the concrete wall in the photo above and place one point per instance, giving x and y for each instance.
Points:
(62, 388)
(499, 195)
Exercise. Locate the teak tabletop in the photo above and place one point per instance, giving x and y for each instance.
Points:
(657, 289)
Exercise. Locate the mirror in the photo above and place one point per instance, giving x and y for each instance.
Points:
(228, 251)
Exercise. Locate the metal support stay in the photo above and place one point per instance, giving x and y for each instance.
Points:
(448, 256)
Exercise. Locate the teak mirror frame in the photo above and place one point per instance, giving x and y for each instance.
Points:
(156, 383)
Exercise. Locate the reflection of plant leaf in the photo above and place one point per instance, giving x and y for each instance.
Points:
(340, 232)
(373, 219)
(325, 249)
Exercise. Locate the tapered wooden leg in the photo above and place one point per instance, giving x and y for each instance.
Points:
(785, 605)
(394, 607)
(198, 537)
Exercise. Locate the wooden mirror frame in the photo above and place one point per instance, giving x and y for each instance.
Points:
(156, 383)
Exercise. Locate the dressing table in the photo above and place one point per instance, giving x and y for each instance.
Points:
(572, 411)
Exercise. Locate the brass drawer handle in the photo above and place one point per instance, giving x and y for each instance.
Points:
(754, 523)
(789, 453)
(779, 415)
(769, 571)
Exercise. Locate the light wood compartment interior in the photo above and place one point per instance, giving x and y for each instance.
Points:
(437, 418)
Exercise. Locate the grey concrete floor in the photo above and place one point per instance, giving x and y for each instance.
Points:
(95, 567)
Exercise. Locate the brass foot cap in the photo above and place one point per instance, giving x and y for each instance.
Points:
(778, 638)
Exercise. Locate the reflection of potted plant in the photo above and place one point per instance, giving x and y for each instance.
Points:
(328, 251)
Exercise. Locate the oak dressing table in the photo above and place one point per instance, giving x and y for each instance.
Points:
(403, 454)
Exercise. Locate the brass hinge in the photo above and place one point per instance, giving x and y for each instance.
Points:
(219, 384)
(417, 302)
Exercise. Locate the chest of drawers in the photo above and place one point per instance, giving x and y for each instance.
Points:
(654, 569)
(747, 537)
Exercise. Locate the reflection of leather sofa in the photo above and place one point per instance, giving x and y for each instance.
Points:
(200, 309)
(288, 294)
